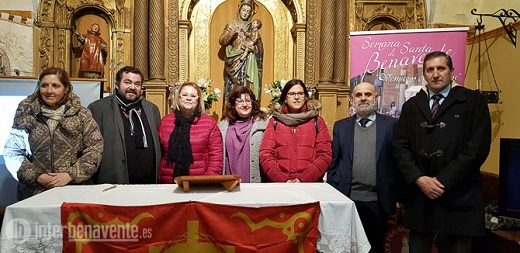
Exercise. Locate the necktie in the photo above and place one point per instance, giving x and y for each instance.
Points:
(364, 122)
(435, 106)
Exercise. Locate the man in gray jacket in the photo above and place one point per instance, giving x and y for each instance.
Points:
(129, 124)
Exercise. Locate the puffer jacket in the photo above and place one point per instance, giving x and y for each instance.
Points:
(75, 147)
(206, 145)
(290, 152)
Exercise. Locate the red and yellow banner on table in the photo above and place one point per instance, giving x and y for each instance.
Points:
(189, 227)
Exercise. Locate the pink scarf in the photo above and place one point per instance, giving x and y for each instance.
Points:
(237, 149)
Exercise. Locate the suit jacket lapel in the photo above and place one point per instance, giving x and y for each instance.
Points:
(351, 125)
(380, 134)
(118, 119)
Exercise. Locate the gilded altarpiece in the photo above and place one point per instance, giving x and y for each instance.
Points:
(291, 36)
(58, 19)
(366, 15)
(283, 35)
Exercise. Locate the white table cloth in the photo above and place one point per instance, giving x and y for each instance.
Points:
(339, 224)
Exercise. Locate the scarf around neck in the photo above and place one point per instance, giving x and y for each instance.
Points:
(179, 145)
(133, 109)
(295, 119)
(54, 117)
(238, 149)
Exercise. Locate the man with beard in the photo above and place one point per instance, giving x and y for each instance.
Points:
(129, 124)
(363, 165)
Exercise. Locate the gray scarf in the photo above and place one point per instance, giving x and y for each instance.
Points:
(294, 119)
(54, 116)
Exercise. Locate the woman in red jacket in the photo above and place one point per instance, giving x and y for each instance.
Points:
(190, 140)
(296, 146)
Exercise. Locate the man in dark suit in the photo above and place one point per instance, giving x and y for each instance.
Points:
(442, 138)
(363, 165)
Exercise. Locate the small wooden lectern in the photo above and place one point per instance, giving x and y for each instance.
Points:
(228, 181)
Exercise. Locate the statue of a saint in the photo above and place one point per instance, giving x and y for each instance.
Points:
(244, 50)
(93, 56)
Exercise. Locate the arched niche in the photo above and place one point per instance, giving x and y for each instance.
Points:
(202, 22)
(388, 15)
(383, 23)
(57, 20)
(81, 21)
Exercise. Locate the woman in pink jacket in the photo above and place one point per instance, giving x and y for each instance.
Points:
(296, 146)
(190, 140)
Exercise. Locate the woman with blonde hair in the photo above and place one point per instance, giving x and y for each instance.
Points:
(190, 139)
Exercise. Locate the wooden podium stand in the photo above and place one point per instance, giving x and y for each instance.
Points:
(228, 181)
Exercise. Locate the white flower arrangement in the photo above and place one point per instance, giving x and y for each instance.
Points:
(210, 94)
(275, 90)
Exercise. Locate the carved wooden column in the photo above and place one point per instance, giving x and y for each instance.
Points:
(327, 91)
(156, 87)
(141, 36)
(156, 47)
(298, 32)
(341, 42)
(342, 31)
(173, 42)
(185, 27)
(327, 43)
(311, 41)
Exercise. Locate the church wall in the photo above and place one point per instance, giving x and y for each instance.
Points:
(16, 48)
(459, 12)
(504, 59)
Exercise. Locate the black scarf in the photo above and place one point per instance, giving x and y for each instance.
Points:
(133, 110)
(179, 146)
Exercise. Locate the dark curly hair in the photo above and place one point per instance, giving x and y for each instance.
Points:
(127, 69)
(229, 108)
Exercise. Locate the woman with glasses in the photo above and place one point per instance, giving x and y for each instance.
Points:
(296, 146)
(190, 140)
(242, 128)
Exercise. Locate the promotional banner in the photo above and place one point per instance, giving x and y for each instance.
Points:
(189, 227)
(393, 61)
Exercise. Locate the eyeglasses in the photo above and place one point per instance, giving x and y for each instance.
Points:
(191, 95)
(293, 94)
(242, 102)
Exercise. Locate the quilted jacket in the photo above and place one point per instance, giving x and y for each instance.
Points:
(75, 147)
(206, 144)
